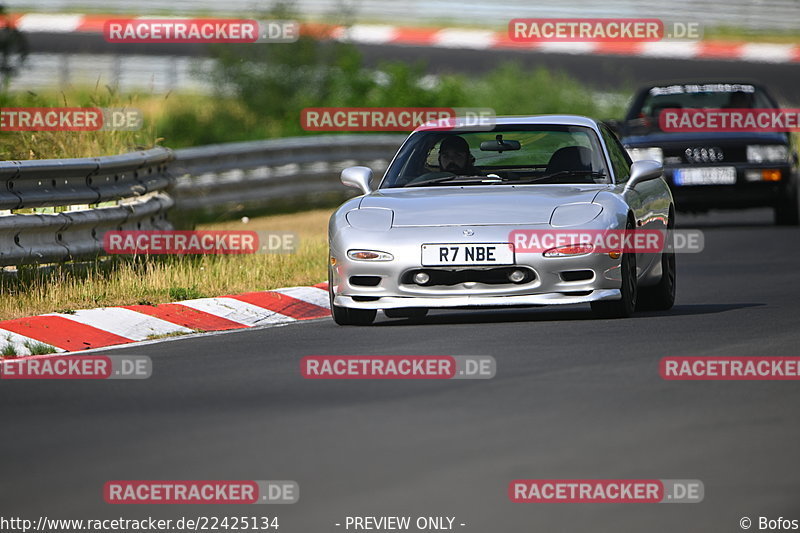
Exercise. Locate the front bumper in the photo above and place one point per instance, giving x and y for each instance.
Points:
(391, 287)
(394, 302)
(743, 194)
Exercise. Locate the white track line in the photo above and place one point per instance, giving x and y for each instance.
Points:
(124, 322)
(312, 295)
(238, 311)
(49, 23)
(18, 342)
(368, 34)
(670, 49)
(453, 38)
(768, 53)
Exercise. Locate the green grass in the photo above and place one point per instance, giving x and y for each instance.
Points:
(8, 350)
(185, 293)
(39, 348)
(152, 280)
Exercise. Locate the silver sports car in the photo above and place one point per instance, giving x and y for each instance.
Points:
(463, 217)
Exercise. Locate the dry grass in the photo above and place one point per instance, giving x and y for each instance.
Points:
(125, 281)
(23, 145)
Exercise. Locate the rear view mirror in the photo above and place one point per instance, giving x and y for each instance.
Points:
(499, 145)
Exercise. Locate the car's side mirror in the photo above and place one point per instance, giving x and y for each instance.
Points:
(644, 170)
(358, 177)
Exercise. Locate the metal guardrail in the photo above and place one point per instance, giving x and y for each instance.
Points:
(135, 185)
(147, 186)
(236, 176)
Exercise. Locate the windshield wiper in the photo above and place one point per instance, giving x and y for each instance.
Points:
(451, 179)
(592, 173)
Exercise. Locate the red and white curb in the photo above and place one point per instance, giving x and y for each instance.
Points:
(469, 39)
(109, 326)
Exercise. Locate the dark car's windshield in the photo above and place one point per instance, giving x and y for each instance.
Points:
(648, 106)
(507, 155)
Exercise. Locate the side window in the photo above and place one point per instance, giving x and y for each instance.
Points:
(620, 159)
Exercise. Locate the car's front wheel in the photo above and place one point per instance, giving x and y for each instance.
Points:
(346, 316)
(625, 306)
(661, 297)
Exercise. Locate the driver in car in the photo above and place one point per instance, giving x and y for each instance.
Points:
(455, 157)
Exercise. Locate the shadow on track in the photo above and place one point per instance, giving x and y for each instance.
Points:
(550, 315)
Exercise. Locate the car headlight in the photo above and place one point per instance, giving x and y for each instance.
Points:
(653, 153)
(569, 250)
(767, 153)
(574, 214)
(369, 255)
(370, 218)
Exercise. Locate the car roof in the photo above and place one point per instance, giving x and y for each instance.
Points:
(562, 120)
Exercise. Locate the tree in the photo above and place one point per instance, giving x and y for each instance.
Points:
(13, 48)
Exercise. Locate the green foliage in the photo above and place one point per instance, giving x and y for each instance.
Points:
(184, 293)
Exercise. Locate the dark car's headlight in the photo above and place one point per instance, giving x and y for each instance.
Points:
(767, 153)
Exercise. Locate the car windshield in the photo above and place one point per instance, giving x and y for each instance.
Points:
(645, 112)
(539, 154)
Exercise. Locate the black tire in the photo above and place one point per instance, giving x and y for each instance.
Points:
(625, 306)
(661, 297)
(345, 316)
(787, 211)
(413, 313)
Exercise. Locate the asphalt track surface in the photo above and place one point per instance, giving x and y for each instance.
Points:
(606, 73)
(574, 398)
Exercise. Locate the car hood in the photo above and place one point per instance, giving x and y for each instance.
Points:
(661, 138)
(477, 205)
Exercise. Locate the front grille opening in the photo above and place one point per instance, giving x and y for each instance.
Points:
(365, 281)
(577, 293)
(577, 275)
(491, 276)
(365, 298)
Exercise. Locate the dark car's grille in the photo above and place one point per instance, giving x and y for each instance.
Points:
(705, 154)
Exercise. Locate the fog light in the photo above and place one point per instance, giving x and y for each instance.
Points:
(516, 276)
(771, 175)
(421, 278)
(752, 175)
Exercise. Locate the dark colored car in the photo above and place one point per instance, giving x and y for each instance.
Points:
(716, 170)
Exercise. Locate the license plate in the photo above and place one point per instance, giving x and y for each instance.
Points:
(467, 254)
(704, 176)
